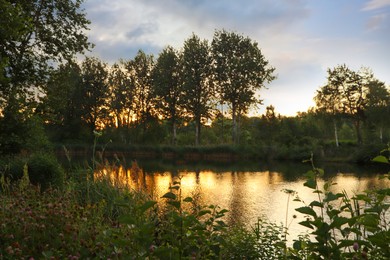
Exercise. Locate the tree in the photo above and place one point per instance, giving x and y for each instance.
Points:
(94, 91)
(35, 35)
(346, 94)
(378, 107)
(63, 101)
(46, 32)
(121, 95)
(140, 73)
(240, 71)
(167, 88)
(198, 89)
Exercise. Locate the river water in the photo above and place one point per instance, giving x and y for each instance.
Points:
(248, 190)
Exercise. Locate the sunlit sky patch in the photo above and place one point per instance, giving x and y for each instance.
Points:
(300, 38)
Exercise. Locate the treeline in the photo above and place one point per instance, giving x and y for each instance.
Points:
(137, 97)
(199, 94)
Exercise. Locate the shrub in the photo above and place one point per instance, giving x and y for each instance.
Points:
(45, 170)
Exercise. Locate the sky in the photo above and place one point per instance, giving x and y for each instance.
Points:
(301, 39)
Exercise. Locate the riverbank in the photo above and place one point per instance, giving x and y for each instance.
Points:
(348, 153)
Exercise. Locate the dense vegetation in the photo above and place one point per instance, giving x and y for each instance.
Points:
(198, 95)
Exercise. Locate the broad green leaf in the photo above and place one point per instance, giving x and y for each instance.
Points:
(306, 223)
(223, 211)
(204, 212)
(338, 222)
(369, 220)
(147, 205)
(174, 203)
(316, 204)
(169, 195)
(381, 159)
(311, 183)
(307, 211)
(320, 172)
(330, 196)
(188, 199)
(176, 187)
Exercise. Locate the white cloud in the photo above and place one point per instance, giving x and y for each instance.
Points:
(376, 4)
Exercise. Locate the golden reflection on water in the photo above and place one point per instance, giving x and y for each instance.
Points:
(247, 195)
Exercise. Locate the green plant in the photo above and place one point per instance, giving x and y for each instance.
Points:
(263, 240)
(185, 230)
(49, 224)
(343, 227)
(45, 170)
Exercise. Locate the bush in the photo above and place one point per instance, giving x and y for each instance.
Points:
(45, 170)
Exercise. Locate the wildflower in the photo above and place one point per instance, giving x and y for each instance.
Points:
(152, 248)
(355, 246)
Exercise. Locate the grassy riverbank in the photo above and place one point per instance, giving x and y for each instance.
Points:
(347, 152)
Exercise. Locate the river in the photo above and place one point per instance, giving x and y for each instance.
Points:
(248, 190)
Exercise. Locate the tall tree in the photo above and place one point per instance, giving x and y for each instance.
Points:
(46, 32)
(378, 107)
(121, 94)
(240, 71)
(63, 101)
(346, 93)
(197, 82)
(35, 35)
(94, 91)
(168, 88)
(140, 72)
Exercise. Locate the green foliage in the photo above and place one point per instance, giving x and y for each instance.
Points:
(48, 224)
(344, 227)
(198, 90)
(45, 170)
(240, 70)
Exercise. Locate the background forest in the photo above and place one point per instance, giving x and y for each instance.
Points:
(198, 95)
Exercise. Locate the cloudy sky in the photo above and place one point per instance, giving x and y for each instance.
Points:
(300, 38)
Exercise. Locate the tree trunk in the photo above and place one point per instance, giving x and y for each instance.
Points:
(335, 133)
(234, 130)
(358, 132)
(381, 134)
(173, 141)
(197, 132)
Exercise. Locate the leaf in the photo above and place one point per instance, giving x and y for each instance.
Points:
(223, 211)
(176, 187)
(330, 196)
(169, 195)
(338, 222)
(320, 172)
(311, 183)
(306, 223)
(204, 212)
(316, 204)
(174, 203)
(307, 211)
(381, 159)
(147, 205)
(188, 199)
